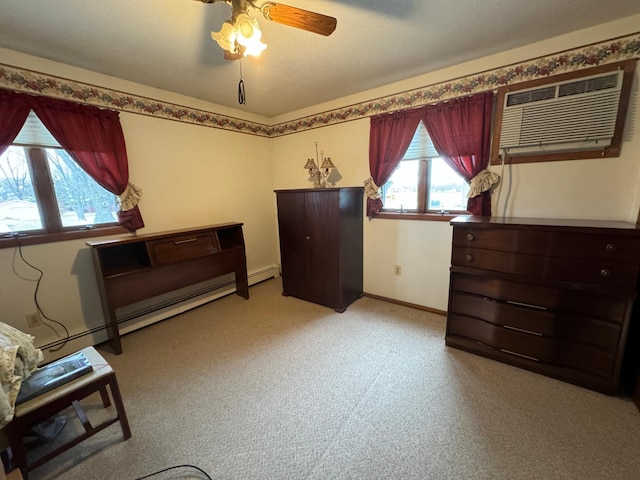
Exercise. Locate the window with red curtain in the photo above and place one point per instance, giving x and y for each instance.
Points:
(91, 136)
(94, 138)
(460, 130)
(461, 133)
(389, 139)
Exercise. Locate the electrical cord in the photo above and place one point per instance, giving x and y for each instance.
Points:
(176, 467)
(35, 300)
(506, 201)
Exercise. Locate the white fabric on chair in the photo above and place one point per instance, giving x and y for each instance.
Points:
(18, 359)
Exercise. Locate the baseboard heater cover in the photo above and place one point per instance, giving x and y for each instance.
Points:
(166, 309)
(163, 310)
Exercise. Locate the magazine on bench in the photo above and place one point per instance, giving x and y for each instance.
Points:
(53, 375)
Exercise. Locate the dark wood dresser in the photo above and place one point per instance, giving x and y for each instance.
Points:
(321, 244)
(552, 296)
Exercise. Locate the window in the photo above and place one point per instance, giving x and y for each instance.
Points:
(423, 182)
(44, 192)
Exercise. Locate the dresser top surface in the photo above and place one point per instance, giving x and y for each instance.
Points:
(519, 222)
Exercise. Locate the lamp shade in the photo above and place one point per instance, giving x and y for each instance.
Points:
(249, 34)
(327, 163)
(310, 164)
(226, 37)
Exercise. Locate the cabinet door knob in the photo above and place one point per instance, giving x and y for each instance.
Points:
(468, 257)
(605, 272)
(611, 247)
(470, 236)
(308, 237)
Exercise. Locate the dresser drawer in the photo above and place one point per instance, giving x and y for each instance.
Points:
(539, 321)
(541, 349)
(602, 246)
(612, 308)
(598, 272)
(182, 248)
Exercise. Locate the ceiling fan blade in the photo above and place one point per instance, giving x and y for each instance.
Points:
(299, 18)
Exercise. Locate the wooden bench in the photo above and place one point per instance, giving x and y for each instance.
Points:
(50, 403)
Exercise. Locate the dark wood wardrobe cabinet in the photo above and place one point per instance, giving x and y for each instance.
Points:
(556, 297)
(321, 244)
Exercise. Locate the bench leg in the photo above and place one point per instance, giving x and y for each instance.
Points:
(106, 402)
(117, 400)
(18, 448)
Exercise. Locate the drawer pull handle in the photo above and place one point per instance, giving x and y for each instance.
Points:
(513, 302)
(468, 257)
(605, 272)
(470, 236)
(520, 355)
(611, 247)
(530, 332)
(179, 242)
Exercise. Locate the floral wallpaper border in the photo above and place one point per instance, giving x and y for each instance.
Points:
(28, 81)
(573, 60)
(609, 51)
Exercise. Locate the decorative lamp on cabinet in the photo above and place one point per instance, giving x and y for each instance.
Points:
(319, 174)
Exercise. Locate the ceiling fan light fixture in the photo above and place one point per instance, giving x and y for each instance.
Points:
(226, 37)
(240, 35)
(248, 34)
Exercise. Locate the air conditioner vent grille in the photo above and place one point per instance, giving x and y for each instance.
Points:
(579, 115)
(531, 96)
(590, 85)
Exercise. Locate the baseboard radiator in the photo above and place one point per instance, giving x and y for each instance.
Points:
(160, 308)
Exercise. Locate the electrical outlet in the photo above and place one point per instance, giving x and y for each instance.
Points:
(33, 319)
(397, 270)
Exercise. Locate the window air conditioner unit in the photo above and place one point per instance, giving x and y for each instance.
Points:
(573, 115)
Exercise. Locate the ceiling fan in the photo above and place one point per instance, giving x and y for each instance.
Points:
(241, 35)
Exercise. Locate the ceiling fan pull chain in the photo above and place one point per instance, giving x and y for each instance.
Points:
(241, 94)
(242, 99)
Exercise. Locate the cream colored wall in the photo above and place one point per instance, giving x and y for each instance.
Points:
(595, 189)
(190, 176)
(194, 175)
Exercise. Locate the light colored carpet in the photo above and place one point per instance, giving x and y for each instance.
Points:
(277, 388)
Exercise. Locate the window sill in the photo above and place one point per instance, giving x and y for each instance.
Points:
(7, 242)
(430, 217)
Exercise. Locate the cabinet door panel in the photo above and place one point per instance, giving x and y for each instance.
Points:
(291, 227)
(322, 241)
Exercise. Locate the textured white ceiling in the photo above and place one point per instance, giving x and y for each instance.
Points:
(166, 43)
